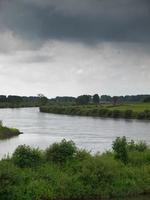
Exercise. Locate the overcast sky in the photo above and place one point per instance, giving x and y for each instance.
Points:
(73, 47)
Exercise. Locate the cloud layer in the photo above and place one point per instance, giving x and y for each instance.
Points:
(84, 20)
(70, 47)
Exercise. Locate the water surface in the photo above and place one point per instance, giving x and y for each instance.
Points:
(42, 129)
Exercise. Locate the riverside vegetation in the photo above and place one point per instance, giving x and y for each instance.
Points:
(128, 111)
(6, 132)
(64, 172)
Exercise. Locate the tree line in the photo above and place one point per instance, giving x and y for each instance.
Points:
(40, 99)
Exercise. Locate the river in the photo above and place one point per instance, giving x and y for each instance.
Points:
(42, 129)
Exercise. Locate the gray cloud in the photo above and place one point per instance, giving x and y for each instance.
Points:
(74, 69)
(82, 20)
(71, 47)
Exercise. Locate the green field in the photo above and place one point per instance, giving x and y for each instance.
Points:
(136, 107)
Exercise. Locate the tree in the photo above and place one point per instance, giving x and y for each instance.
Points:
(83, 99)
(146, 100)
(115, 100)
(42, 99)
(14, 99)
(120, 146)
(96, 99)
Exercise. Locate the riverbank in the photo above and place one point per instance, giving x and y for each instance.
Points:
(6, 132)
(64, 172)
(127, 111)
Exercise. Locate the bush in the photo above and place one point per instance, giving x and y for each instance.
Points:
(141, 115)
(103, 112)
(116, 113)
(24, 156)
(61, 152)
(141, 146)
(128, 114)
(137, 158)
(147, 114)
(82, 155)
(120, 149)
(9, 178)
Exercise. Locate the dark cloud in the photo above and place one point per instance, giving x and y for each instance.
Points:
(82, 20)
(43, 47)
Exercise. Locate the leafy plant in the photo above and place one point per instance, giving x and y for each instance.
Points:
(120, 149)
(24, 156)
(61, 152)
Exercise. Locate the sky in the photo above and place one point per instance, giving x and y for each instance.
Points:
(74, 47)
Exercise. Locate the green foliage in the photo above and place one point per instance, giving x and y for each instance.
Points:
(25, 156)
(83, 176)
(128, 114)
(136, 111)
(83, 99)
(116, 113)
(61, 152)
(6, 132)
(141, 115)
(141, 146)
(9, 180)
(96, 99)
(120, 148)
(146, 99)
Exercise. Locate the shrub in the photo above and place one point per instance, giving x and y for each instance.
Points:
(141, 115)
(61, 152)
(9, 178)
(103, 112)
(141, 146)
(82, 155)
(24, 156)
(120, 148)
(139, 158)
(128, 114)
(38, 190)
(109, 113)
(116, 113)
(147, 114)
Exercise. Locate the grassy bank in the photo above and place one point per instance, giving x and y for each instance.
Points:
(6, 132)
(128, 111)
(64, 172)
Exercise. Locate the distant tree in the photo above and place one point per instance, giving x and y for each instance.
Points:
(146, 100)
(83, 99)
(106, 98)
(3, 98)
(115, 100)
(65, 99)
(14, 99)
(42, 99)
(96, 99)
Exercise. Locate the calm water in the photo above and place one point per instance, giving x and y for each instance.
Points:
(41, 130)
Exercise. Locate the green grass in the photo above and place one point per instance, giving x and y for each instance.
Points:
(136, 107)
(31, 174)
